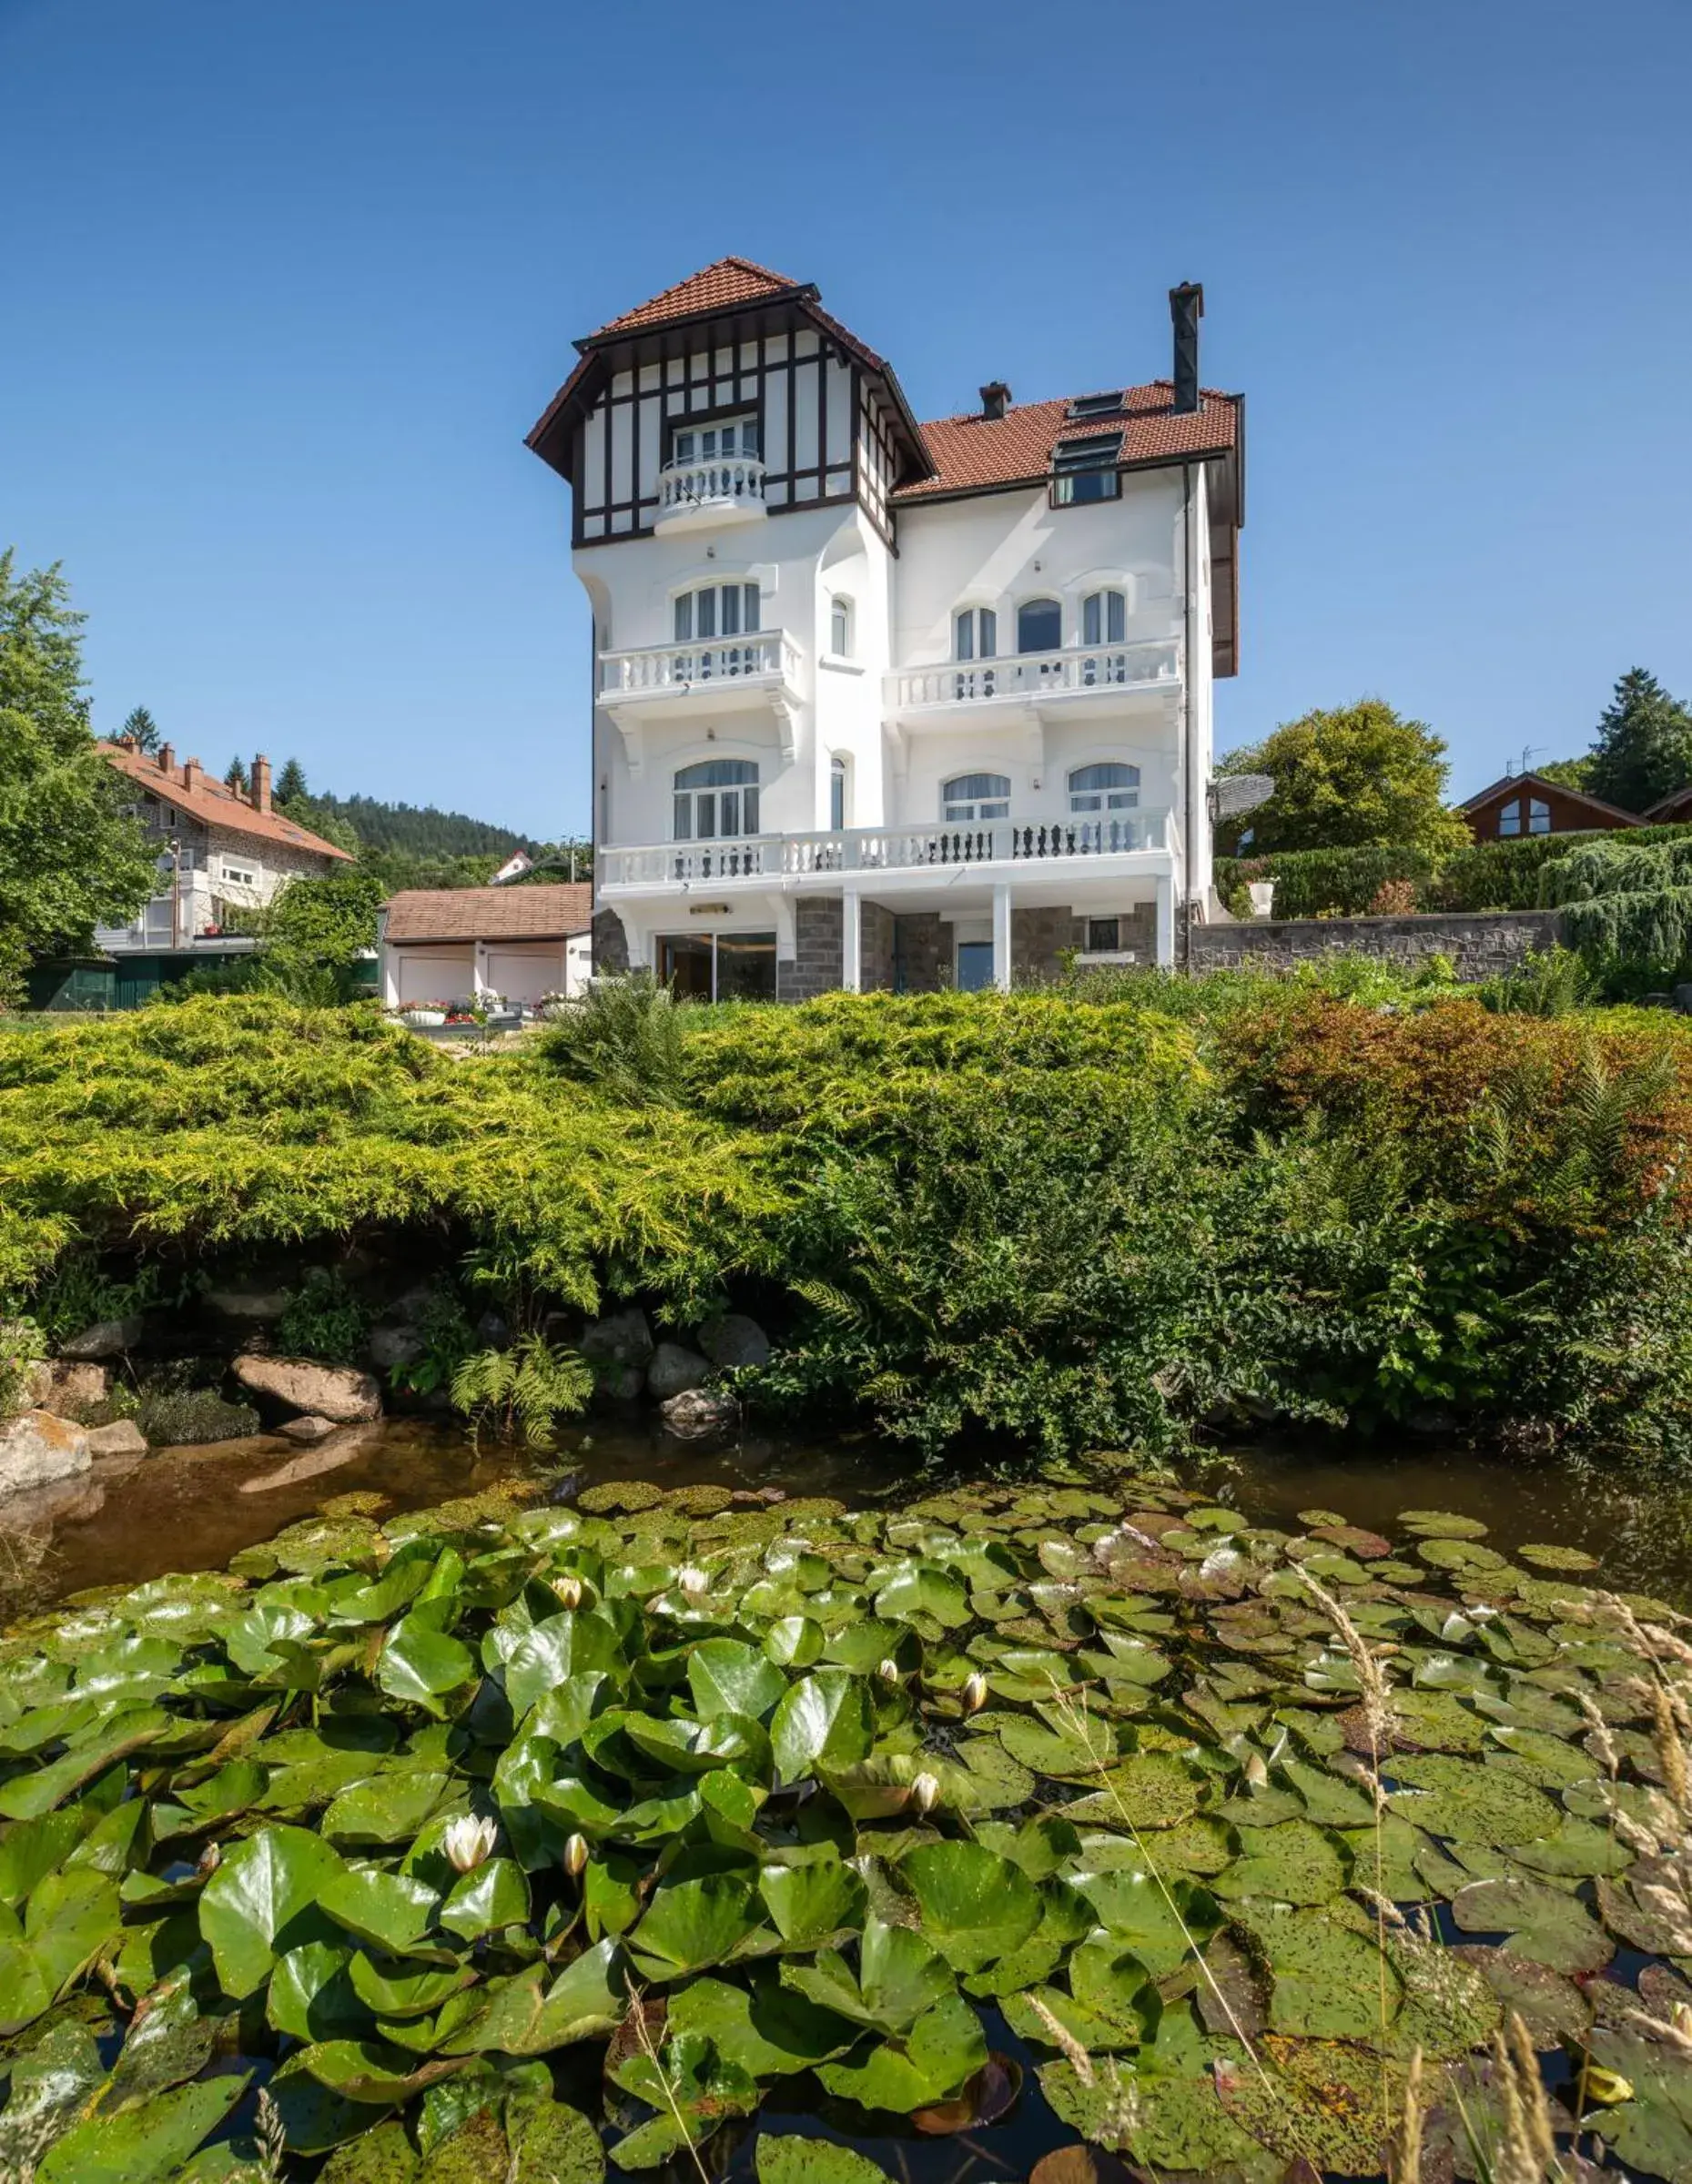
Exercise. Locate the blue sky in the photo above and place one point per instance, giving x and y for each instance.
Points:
(291, 278)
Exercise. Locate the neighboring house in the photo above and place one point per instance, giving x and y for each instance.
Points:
(456, 943)
(1526, 803)
(219, 850)
(1673, 811)
(881, 704)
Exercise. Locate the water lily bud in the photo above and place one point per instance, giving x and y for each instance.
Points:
(210, 1858)
(575, 1856)
(974, 1694)
(926, 1792)
(468, 1841)
(1608, 2088)
(888, 1671)
(569, 1591)
(694, 1579)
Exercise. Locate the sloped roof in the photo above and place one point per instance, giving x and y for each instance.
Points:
(507, 912)
(1662, 813)
(1556, 788)
(214, 804)
(974, 454)
(719, 287)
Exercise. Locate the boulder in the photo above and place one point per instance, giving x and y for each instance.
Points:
(36, 1448)
(393, 1343)
(105, 1338)
(63, 1385)
(696, 1413)
(339, 1392)
(730, 1340)
(123, 1437)
(247, 1303)
(673, 1370)
(619, 1339)
(619, 1383)
(306, 1429)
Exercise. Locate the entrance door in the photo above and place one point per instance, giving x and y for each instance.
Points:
(684, 965)
(975, 965)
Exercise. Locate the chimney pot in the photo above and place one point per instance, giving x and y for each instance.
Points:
(166, 757)
(262, 783)
(191, 771)
(1186, 309)
(994, 399)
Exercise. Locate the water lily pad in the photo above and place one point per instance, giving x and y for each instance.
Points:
(1540, 1923)
(1470, 1802)
(822, 1721)
(1326, 1983)
(264, 1888)
(381, 2155)
(976, 1906)
(771, 2030)
(143, 2144)
(1160, 1919)
(688, 1925)
(1440, 1524)
(391, 1911)
(728, 1676)
(1558, 1558)
(1295, 1863)
(1459, 1554)
(944, 2047)
(793, 2160)
(1552, 2008)
(899, 1975)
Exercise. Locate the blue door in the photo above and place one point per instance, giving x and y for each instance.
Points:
(975, 965)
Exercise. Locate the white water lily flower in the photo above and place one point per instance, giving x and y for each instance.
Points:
(888, 1671)
(569, 1591)
(694, 1579)
(926, 1792)
(1256, 1773)
(467, 1842)
(973, 1696)
(575, 1856)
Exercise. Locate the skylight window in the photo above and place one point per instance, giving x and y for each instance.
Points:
(1098, 405)
(1084, 470)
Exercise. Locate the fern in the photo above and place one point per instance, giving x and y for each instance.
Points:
(524, 1388)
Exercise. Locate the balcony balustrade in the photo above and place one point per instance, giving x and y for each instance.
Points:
(890, 849)
(1076, 673)
(711, 488)
(758, 655)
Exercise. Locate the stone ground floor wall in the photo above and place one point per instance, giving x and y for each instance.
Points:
(610, 944)
(818, 927)
(1479, 943)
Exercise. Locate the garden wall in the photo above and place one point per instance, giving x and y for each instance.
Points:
(1479, 943)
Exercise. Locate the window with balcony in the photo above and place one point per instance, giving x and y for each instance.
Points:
(1039, 626)
(705, 443)
(1084, 470)
(1104, 617)
(715, 610)
(716, 800)
(1105, 788)
(968, 796)
(974, 634)
(838, 795)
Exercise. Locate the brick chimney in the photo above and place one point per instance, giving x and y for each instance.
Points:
(166, 757)
(262, 783)
(1186, 309)
(994, 399)
(191, 771)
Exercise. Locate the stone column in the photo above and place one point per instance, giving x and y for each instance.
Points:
(1001, 936)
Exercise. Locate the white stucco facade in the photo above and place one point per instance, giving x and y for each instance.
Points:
(853, 736)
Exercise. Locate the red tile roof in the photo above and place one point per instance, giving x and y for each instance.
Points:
(974, 454)
(208, 801)
(507, 912)
(715, 287)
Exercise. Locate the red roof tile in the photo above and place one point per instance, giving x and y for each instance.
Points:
(507, 912)
(715, 287)
(974, 454)
(213, 805)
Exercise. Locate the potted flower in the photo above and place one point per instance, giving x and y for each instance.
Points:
(424, 1015)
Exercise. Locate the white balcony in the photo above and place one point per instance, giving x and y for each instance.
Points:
(708, 491)
(1142, 841)
(720, 674)
(1095, 677)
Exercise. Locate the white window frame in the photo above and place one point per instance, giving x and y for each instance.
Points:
(841, 633)
(1104, 617)
(722, 809)
(238, 876)
(732, 598)
(1121, 794)
(839, 793)
(980, 802)
(727, 438)
(1039, 599)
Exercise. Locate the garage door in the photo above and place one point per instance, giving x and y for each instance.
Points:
(525, 976)
(449, 976)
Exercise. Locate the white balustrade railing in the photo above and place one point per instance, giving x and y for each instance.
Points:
(710, 481)
(1079, 667)
(888, 849)
(766, 652)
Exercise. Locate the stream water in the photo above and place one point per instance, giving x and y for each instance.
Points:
(192, 1509)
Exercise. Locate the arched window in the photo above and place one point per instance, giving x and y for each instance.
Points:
(1105, 788)
(977, 797)
(1104, 617)
(838, 795)
(716, 800)
(715, 610)
(974, 634)
(840, 627)
(1039, 626)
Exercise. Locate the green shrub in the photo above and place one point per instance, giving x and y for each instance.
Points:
(622, 1037)
(323, 1319)
(177, 1417)
(21, 1348)
(1555, 982)
(1325, 882)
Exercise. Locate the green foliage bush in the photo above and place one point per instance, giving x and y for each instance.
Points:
(323, 1319)
(622, 1037)
(173, 1415)
(1042, 1220)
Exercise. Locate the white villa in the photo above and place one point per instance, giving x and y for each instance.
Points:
(880, 703)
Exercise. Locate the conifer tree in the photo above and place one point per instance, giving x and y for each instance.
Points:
(291, 784)
(1643, 750)
(141, 729)
(235, 778)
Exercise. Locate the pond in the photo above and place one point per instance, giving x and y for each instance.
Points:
(1245, 1969)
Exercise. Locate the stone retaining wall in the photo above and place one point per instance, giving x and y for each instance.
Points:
(1479, 943)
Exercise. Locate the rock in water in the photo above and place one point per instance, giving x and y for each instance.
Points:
(339, 1392)
(697, 1412)
(105, 1338)
(61, 1385)
(306, 1429)
(123, 1437)
(36, 1448)
(619, 1339)
(673, 1370)
(732, 1340)
(247, 1304)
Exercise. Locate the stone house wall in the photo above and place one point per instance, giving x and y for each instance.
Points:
(818, 922)
(1479, 943)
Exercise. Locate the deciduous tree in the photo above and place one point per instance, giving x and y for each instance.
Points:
(71, 854)
(1359, 776)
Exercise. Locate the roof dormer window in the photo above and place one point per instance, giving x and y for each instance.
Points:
(1098, 405)
(1084, 470)
(731, 436)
